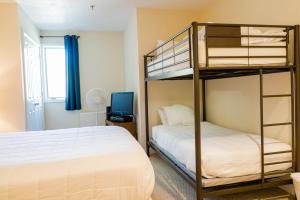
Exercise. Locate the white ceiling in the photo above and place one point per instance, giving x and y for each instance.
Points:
(108, 15)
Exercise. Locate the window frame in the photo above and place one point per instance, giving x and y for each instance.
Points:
(48, 99)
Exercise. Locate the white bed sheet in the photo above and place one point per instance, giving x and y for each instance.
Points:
(83, 163)
(225, 152)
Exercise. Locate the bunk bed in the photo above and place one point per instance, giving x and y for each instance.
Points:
(206, 51)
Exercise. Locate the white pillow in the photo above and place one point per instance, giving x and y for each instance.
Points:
(162, 116)
(274, 31)
(261, 31)
(179, 115)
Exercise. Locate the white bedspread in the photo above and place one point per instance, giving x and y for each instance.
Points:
(76, 164)
(225, 152)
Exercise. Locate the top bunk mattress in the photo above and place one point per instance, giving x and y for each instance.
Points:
(259, 47)
(226, 153)
(91, 162)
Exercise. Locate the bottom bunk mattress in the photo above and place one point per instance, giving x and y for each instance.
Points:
(82, 163)
(226, 153)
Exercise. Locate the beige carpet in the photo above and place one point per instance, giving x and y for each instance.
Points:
(170, 185)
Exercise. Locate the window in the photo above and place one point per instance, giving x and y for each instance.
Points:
(55, 73)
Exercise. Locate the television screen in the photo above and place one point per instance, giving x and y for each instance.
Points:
(122, 103)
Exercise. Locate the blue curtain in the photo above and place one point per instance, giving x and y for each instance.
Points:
(73, 101)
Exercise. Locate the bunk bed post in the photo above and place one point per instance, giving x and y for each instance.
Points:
(297, 98)
(196, 83)
(204, 99)
(146, 107)
(261, 112)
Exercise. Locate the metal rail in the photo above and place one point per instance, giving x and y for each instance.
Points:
(277, 95)
(261, 102)
(196, 85)
(277, 152)
(172, 47)
(246, 36)
(297, 97)
(277, 124)
(246, 25)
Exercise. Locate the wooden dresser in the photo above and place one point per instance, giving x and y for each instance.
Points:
(130, 126)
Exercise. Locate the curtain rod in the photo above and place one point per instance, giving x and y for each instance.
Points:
(54, 36)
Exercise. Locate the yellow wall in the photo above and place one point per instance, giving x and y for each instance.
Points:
(234, 103)
(153, 25)
(253, 11)
(163, 93)
(12, 114)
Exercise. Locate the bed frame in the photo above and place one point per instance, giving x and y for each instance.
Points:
(194, 72)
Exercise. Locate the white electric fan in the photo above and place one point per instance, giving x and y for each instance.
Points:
(96, 100)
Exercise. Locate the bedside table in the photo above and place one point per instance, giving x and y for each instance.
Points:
(130, 126)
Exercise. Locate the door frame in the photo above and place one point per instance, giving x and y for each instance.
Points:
(25, 37)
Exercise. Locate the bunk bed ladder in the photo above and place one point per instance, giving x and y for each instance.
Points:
(264, 174)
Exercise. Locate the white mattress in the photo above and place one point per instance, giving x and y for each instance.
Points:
(225, 152)
(74, 164)
(221, 62)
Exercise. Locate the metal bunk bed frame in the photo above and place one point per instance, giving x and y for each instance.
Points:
(196, 73)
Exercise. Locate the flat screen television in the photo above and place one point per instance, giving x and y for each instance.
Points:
(122, 103)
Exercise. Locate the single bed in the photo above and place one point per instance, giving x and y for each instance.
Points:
(75, 164)
(228, 156)
(272, 50)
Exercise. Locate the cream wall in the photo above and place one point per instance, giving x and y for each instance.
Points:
(28, 27)
(12, 111)
(131, 63)
(235, 102)
(152, 25)
(101, 66)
